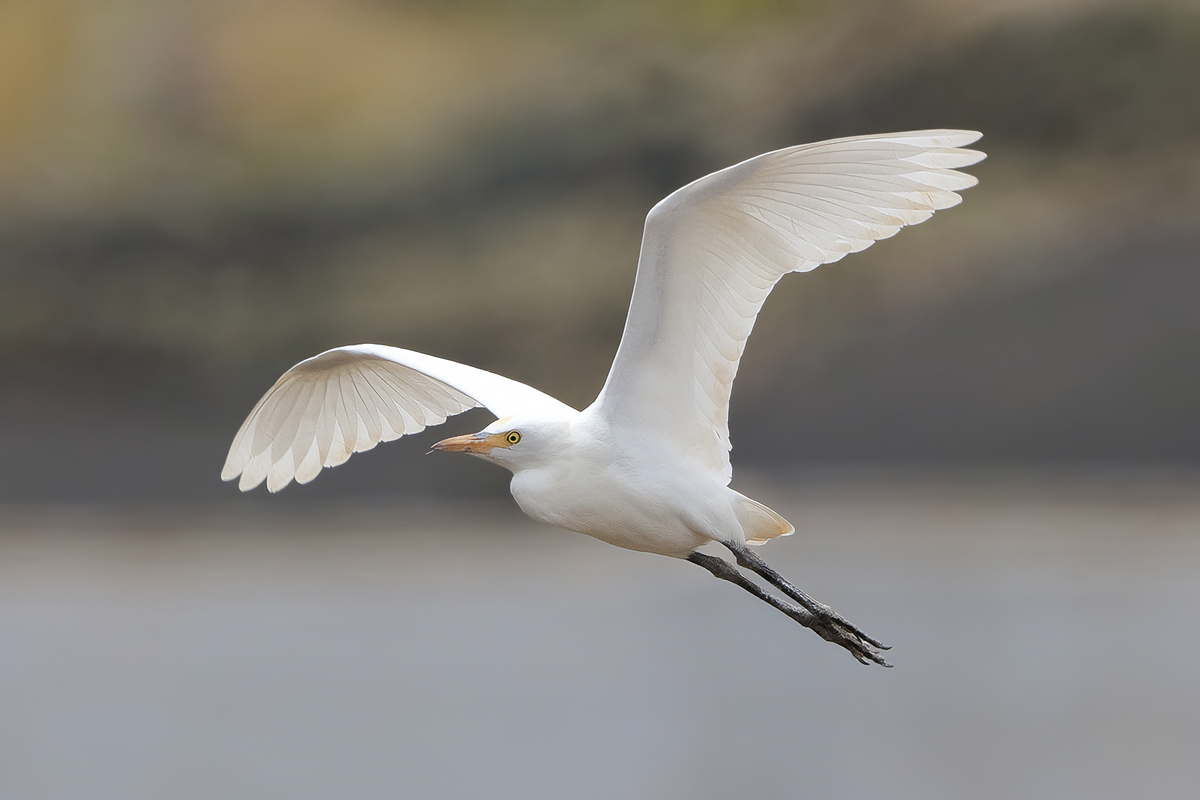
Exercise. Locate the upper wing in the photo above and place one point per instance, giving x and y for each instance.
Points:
(349, 399)
(712, 251)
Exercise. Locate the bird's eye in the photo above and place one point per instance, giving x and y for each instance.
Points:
(512, 437)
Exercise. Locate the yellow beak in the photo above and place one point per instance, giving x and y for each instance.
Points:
(475, 443)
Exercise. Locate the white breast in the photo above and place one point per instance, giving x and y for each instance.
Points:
(648, 500)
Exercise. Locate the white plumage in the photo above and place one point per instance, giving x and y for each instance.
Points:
(349, 399)
(646, 466)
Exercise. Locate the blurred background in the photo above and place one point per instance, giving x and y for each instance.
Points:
(985, 429)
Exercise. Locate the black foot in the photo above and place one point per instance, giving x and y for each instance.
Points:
(862, 647)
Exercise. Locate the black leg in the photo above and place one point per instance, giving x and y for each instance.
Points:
(727, 572)
(827, 629)
(750, 560)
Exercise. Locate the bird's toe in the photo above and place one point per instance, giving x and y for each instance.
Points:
(863, 648)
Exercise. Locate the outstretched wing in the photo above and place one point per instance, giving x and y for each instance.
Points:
(712, 251)
(350, 399)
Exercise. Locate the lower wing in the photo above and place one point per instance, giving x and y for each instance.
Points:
(350, 399)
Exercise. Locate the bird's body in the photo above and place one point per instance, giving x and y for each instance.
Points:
(626, 490)
(646, 466)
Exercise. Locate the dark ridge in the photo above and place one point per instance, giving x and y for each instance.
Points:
(526, 165)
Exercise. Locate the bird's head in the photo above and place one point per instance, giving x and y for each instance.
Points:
(512, 442)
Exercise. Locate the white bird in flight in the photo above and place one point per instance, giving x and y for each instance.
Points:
(646, 466)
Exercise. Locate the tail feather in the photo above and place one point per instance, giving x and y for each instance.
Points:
(759, 523)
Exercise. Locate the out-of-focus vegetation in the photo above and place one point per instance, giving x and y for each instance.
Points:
(193, 196)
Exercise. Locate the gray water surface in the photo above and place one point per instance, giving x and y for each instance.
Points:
(1047, 645)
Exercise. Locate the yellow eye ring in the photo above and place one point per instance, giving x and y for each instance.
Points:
(512, 437)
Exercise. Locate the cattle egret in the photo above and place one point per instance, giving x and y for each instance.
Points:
(646, 466)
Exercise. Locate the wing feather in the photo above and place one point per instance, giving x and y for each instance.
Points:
(713, 250)
(349, 399)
